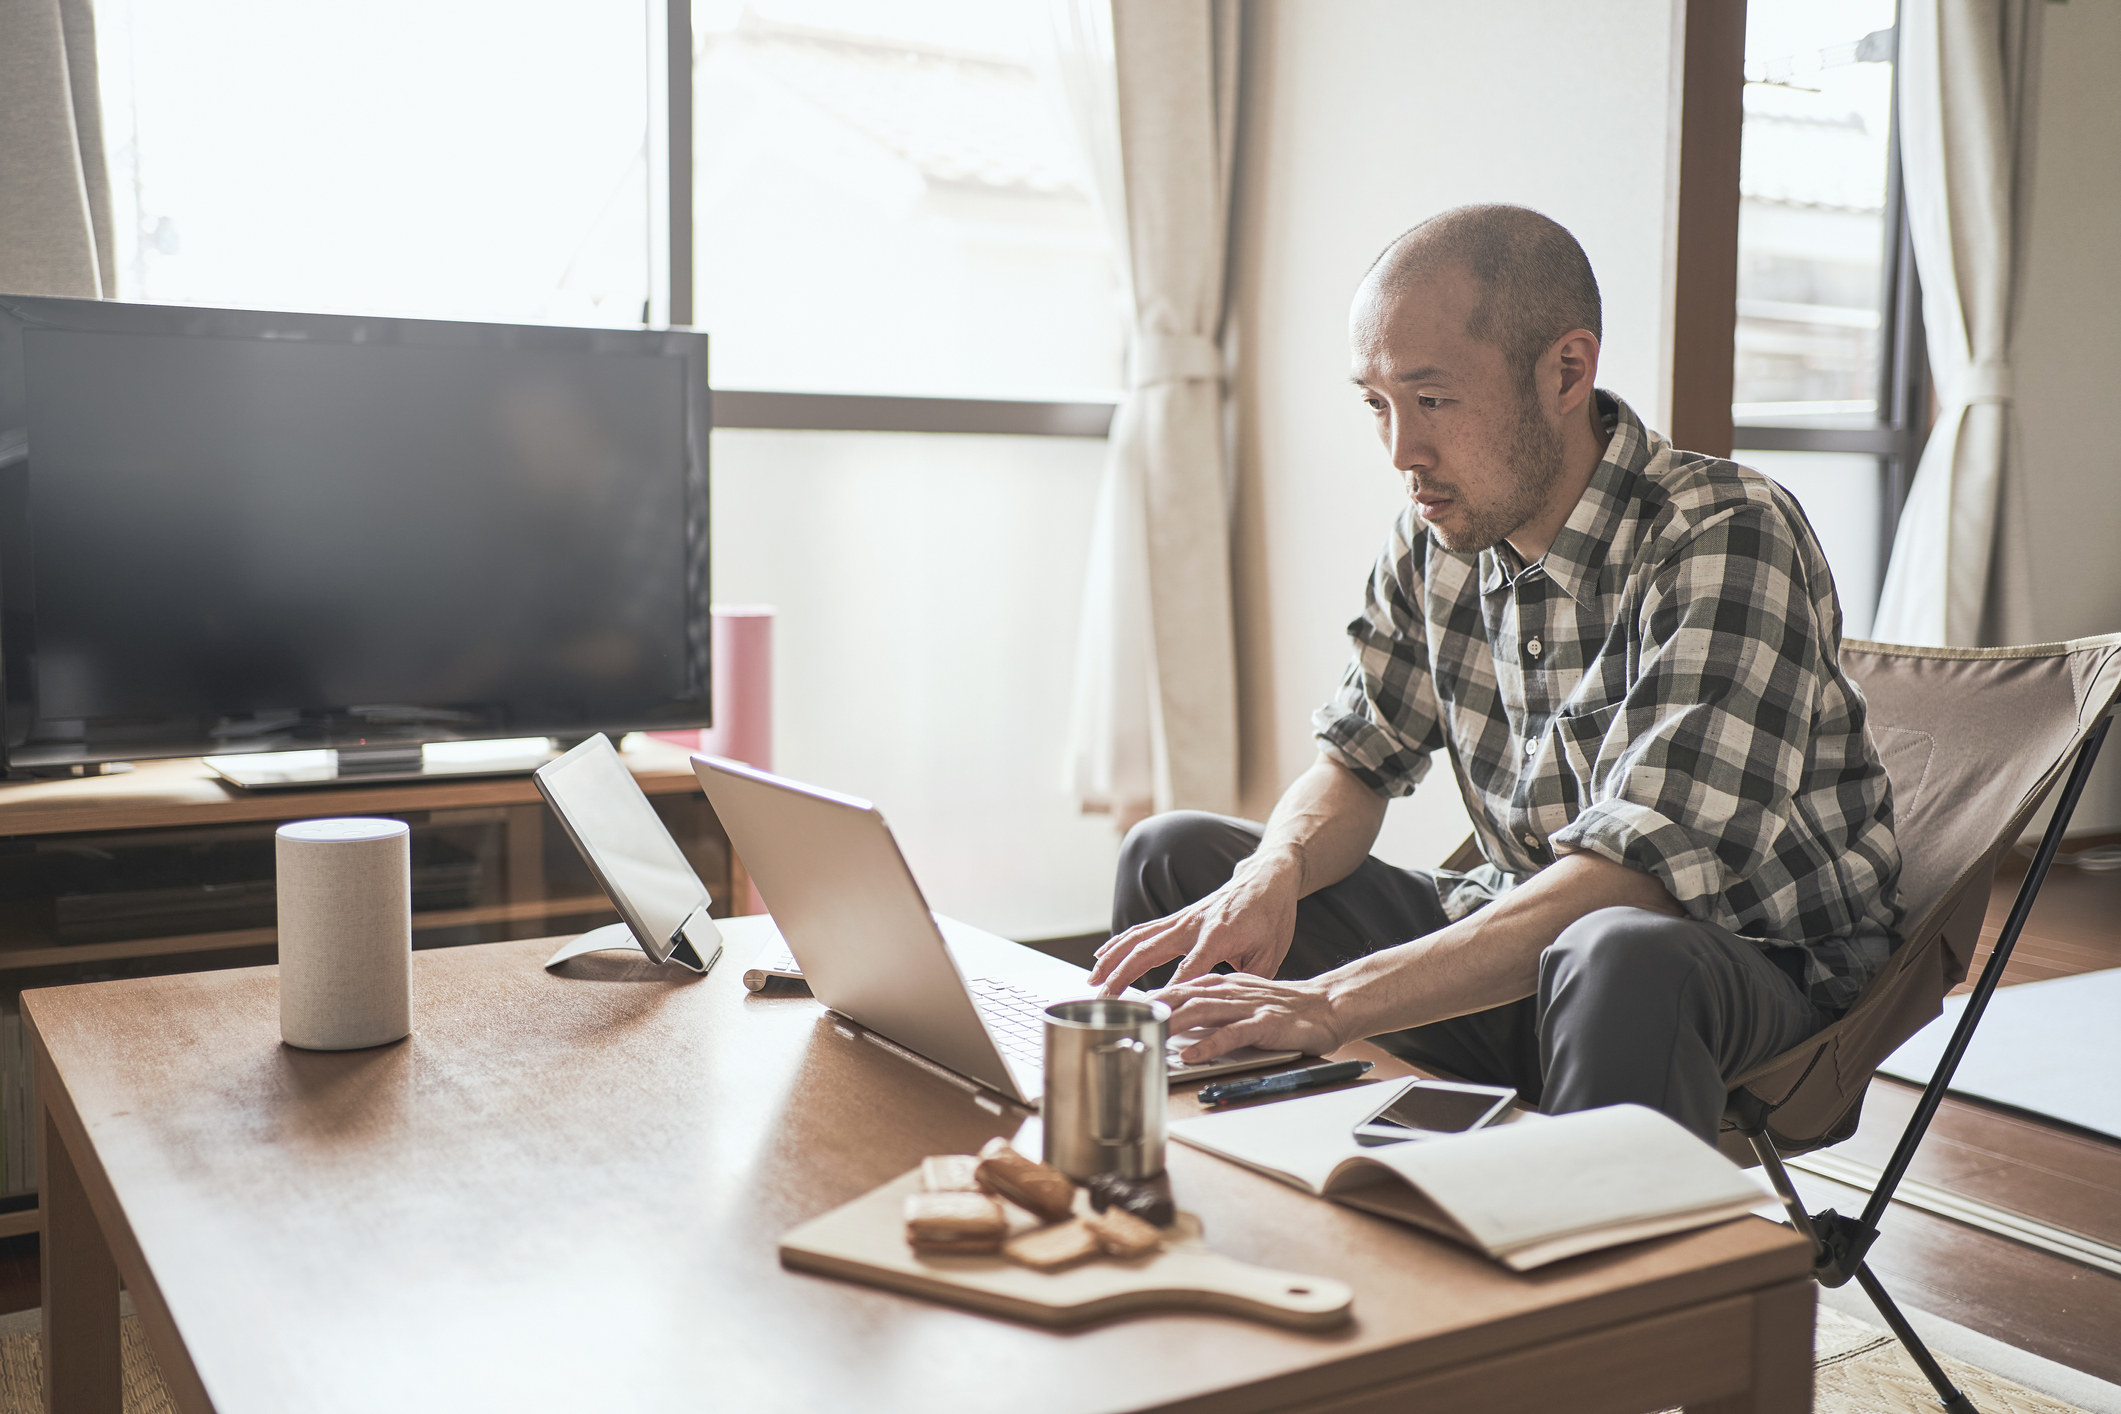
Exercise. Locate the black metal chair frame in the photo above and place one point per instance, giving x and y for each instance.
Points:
(1839, 1243)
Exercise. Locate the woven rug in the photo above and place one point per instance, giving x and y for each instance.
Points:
(22, 1373)
(1862, 1370)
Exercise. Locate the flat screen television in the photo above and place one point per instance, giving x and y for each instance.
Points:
(234, 531)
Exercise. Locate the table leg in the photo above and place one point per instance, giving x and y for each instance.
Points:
(81, 1372)
(1782, 1355)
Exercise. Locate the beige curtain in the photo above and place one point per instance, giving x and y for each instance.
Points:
(1156, 682)
(55, 231)
(1960, 569)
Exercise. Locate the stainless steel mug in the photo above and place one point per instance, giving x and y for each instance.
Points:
(1105, 1087)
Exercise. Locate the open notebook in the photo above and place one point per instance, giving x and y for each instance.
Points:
(1527, 1192)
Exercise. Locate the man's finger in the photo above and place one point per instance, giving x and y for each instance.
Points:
(1201, 962)
(1121, 941)
(1177, 994)
(1222, 1040)
(1116, 952)
(1119, 972)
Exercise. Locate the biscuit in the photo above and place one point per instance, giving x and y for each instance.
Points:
(954, 1222)
(1051, 1248)
(1043, 1189)
(1121, 1234)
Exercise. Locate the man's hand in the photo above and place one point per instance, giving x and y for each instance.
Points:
(1248, 923)
(1240, 1010)
(1320, 831)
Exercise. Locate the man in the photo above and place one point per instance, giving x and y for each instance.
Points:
(1629, 653)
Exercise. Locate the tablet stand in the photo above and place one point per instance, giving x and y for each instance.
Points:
(618, 937)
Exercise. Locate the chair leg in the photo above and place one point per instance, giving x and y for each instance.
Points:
(1786, 1189)
(1947, 1392)
(1827, 1266)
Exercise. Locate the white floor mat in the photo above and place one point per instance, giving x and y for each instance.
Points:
(2052, 1048)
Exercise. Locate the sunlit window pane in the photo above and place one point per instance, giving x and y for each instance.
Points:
(1839, 492)
(468, 158)
(888, 199)
(1812, 214)
(897, 563)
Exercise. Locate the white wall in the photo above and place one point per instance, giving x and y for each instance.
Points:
(2069, 350)
(1361, 118)
(928, 591)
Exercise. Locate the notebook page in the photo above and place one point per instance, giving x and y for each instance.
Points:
(1517, 1185)
(1298, 1141)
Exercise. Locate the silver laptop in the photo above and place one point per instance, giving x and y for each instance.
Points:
(848, 908)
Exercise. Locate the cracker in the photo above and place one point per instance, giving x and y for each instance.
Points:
(956, 1222)
(1051, 1248)
(963, 1247)
(1121, 1234)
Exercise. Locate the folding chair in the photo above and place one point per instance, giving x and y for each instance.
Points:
(1974, 740)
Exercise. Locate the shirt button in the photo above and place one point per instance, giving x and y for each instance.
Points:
(1531, 841)
(1532, 647)
(1531, 746)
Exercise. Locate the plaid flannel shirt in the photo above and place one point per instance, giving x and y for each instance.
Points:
(1662, 689)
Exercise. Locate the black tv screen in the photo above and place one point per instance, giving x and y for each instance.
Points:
(227, 531)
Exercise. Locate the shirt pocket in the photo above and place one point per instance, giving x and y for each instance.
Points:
(1581, 735)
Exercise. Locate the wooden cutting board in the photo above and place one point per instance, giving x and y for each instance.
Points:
(865, 1241)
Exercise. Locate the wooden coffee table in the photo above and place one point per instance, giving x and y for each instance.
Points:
(564, 1192)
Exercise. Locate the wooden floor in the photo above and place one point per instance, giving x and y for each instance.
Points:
(2024, 1297)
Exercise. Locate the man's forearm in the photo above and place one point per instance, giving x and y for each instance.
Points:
(1490, 957)
(1321, 829)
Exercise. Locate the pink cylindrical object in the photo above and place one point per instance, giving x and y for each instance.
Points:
(743, 694)
(742, 673)
(743, 685)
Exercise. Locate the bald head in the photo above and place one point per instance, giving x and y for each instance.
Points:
(1534, 283)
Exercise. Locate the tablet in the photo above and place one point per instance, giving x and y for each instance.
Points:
(630, 851)
(1428, 1109)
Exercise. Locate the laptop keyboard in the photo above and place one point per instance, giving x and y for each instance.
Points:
(1016, 1019)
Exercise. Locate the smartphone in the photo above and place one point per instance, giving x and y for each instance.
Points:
(1425, 1109)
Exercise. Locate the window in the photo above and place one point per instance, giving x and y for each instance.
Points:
(888, 198)
(447, 158)
(1827, 394)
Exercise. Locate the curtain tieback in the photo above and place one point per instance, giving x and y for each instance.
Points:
(1175, 358)
(1988, 381)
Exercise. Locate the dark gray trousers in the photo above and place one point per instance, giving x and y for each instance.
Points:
(1632, 1005)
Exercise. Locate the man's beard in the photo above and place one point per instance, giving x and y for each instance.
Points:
(1533, 462)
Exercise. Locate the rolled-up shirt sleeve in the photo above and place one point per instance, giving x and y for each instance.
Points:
(1694, 776)
(1383, 723)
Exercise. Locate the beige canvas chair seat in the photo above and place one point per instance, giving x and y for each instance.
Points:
(1974, 741)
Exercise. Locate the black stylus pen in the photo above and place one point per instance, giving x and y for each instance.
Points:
(1282, 1082)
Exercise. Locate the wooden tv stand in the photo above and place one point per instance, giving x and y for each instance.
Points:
(167, 869)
